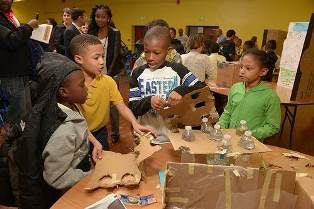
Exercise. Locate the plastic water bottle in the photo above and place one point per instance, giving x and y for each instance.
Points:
(241, 128)
(205, 126)
(187, 134)
(217, 133)
(225, 143)
(247, 141)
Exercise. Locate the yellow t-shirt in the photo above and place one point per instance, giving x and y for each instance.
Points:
(101, 92)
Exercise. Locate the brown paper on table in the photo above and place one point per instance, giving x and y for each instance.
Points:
(296, 164)
(204, 189)
(114, 169)
(204, 145)
(145, 149)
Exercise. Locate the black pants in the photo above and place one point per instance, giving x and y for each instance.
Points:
(102, 136)
(114, 115)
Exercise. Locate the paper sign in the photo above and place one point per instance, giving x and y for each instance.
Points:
(291, 53)
(42, 33)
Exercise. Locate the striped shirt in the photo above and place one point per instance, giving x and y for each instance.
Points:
(145, 83)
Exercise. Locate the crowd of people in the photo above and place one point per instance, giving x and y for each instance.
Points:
(59, 106)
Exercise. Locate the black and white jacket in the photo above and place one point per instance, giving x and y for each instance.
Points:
(145, 83)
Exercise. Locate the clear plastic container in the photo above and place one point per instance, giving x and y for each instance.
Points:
(247, 141)
(187, 134)
(206, 126)
(217, 158)
(241, 128)
(225, 143)
(216, 133)
(213, 115)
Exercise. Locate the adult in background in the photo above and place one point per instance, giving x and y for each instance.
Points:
(175, 43)
(52, 42)
(254, 39)
(195, 61)
(215, 59)
(16, 62)
(110, 37)
(16, 67)
(247, 45)
(182, 37)
(221, 38)
(59, 31)
(271, 59)
(78, 20)
(238, 45)
(227, 47)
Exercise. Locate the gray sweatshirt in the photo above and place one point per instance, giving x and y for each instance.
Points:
(65, 149)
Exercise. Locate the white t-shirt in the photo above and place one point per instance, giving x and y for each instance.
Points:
(198, 64)
(214, 59)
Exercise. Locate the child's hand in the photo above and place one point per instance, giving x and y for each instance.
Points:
(139, 129)
(97, 151)
(174, 98)
(157, 103)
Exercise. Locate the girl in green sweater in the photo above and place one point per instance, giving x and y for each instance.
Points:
(252, 100)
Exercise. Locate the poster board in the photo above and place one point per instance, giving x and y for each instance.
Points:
(291, 54)
(303, 89)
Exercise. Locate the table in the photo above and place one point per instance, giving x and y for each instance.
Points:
(76, 197)
(290, 107)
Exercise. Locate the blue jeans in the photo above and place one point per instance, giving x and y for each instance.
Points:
(17, 91)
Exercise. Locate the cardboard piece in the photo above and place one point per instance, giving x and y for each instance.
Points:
(115, 169)
(193, 107)
(204, 145)
(227, 187)
(145, 149)
(305, 191)
(228, 74)
(300, 165)
(121, 169)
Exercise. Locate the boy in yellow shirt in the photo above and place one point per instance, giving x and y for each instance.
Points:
(88, 52)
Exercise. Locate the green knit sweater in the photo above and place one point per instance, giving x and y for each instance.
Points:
(259, 106)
